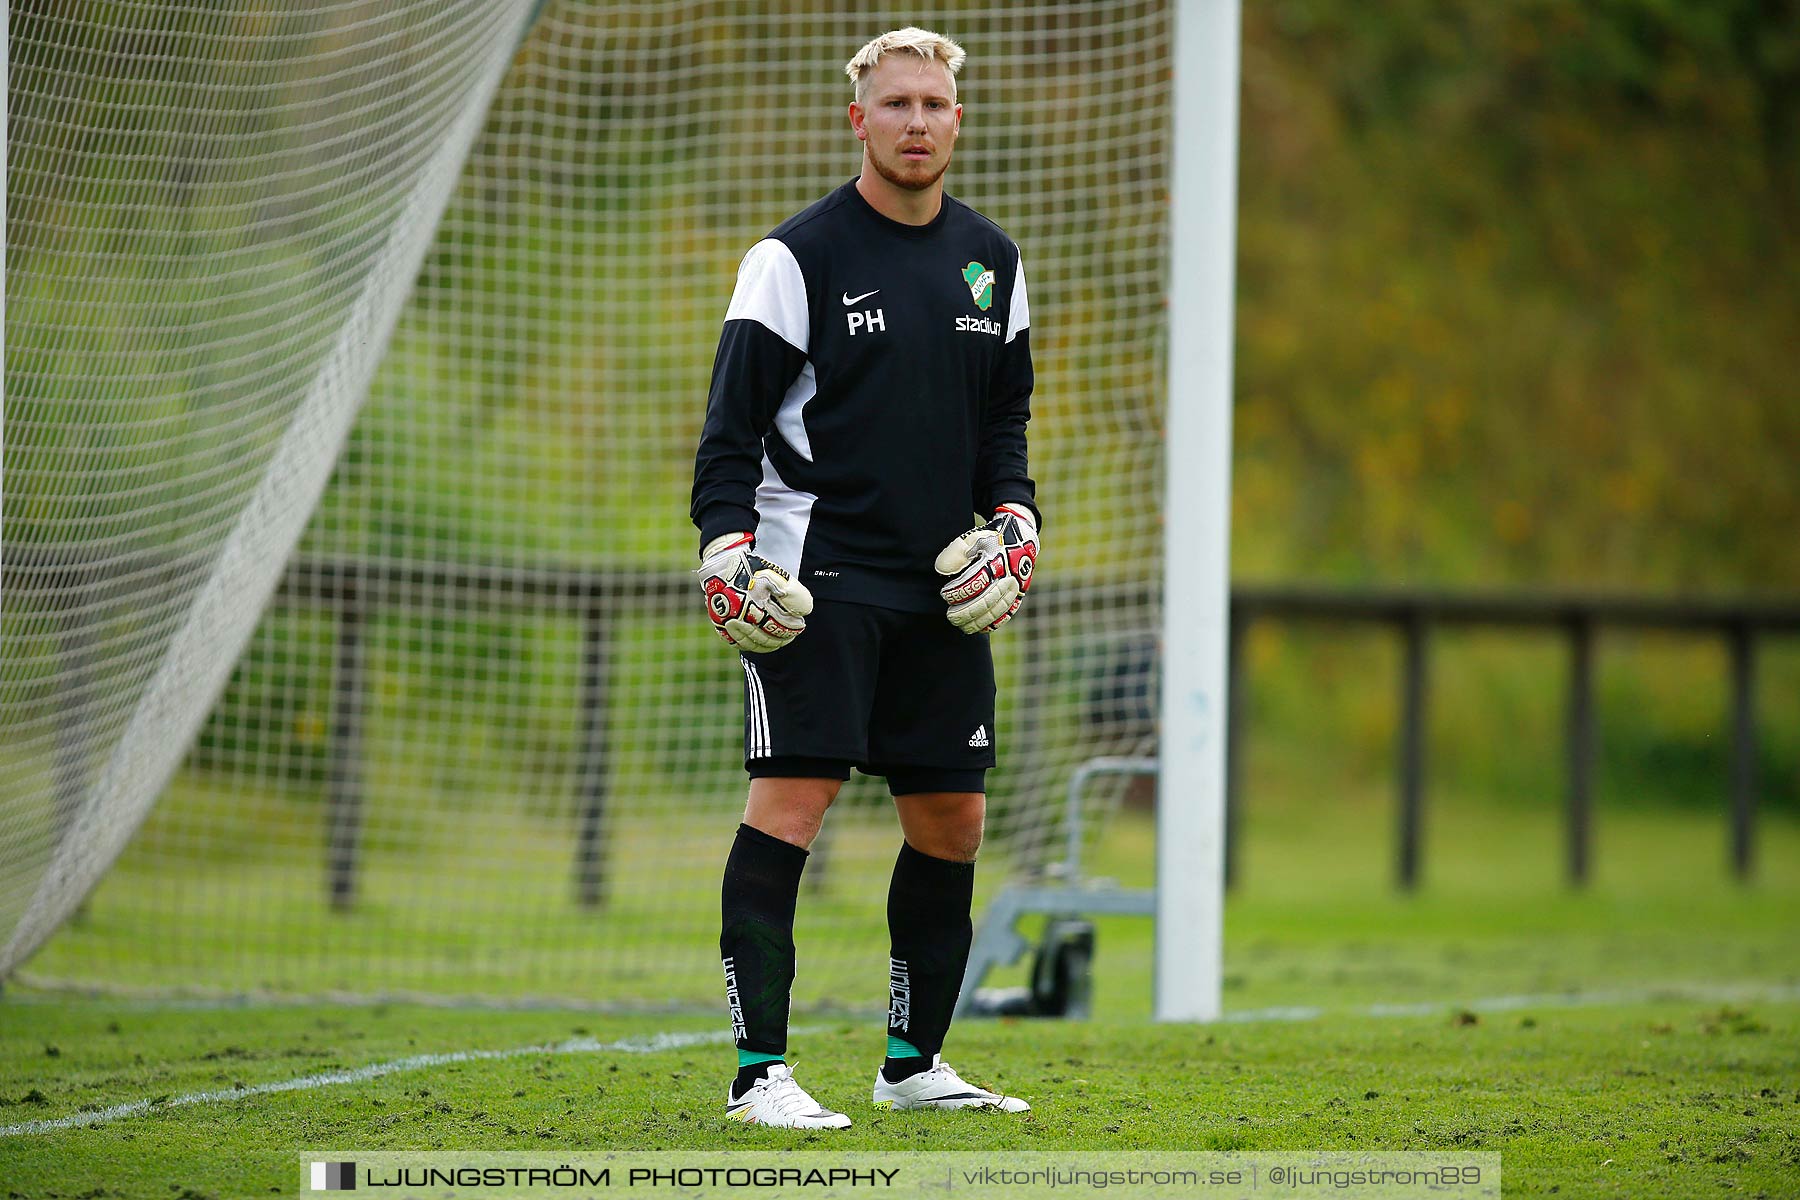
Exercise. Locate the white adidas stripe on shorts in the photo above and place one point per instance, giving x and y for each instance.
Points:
(756, 708)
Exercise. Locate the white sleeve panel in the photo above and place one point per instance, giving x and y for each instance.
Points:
(1020, 317)
(772, 292)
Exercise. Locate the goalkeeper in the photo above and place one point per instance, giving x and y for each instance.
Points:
(870, 394)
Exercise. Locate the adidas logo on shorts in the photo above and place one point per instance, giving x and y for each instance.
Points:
(979, 738)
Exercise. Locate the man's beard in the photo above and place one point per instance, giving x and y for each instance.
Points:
(910, 183)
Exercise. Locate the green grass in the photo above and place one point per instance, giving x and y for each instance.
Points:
(1661, 1099)
(1652, 1047)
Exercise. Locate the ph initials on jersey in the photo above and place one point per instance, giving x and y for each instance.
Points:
(868, 320)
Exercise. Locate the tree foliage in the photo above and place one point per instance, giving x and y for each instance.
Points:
(1516, 293)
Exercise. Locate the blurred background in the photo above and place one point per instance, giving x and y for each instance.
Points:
(1515, 295)
(1516, 313)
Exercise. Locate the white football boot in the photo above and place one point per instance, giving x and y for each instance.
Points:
(777, 1100)
(941, 1087)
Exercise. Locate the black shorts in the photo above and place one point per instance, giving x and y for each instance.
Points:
(900, 694)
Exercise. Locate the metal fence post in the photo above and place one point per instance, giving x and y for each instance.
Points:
(344, 810)
(70, 757)
(1580, 746)
(590, 852)
(1413, 716)
(1236, 717)
(1743, 750)
(1026, 737)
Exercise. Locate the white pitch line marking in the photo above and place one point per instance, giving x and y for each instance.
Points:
(586, 1045)
(1672, 993)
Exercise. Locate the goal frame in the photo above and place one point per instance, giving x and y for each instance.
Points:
(1190, 822)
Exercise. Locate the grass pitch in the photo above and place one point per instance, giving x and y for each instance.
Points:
(1639, 1038)
(1664, 1098)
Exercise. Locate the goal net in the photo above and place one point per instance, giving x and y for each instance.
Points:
(385, 647)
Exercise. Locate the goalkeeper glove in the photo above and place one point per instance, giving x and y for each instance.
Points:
(752, 602)
(990, 569)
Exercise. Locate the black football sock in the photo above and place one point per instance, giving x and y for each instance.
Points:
(928, 922)
(749, 1075)
(903, 1060)
(756, 942)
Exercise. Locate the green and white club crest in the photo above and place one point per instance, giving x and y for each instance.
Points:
(981, 285)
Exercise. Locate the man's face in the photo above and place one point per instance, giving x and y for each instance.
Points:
(908, 120)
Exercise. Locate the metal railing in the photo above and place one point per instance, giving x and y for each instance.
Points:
(353, 588)
(1415, 615)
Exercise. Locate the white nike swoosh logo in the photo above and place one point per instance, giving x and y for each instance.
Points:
(849, 299)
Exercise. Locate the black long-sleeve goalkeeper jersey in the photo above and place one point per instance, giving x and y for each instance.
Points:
(870, 392)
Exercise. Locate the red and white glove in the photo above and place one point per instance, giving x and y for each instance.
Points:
(990, 569)
(752, 602)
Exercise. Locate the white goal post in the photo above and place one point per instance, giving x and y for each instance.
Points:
(1190, 832)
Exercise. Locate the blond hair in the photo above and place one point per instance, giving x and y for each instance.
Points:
(926, 44)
